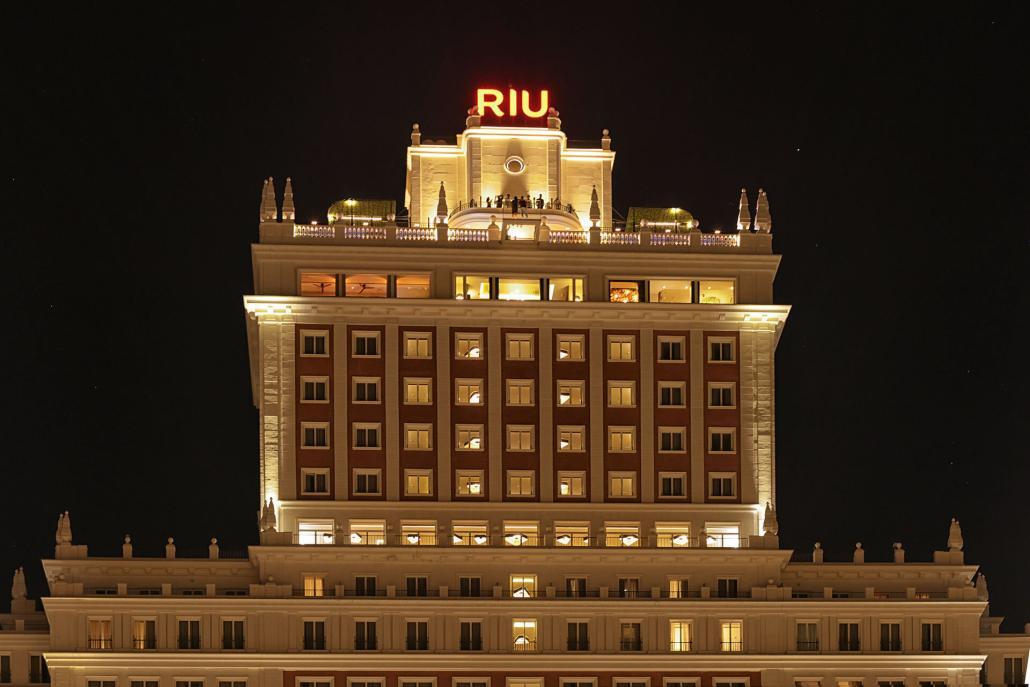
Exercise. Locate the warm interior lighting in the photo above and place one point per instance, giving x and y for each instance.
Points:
(480, 539)
(474, 352)
(564, 397)
(564, 539)
(475, 487)
(563, 354)
(681, 540)
(516, 539)
(564, 488)
(456, 539)
(564, 443)
(474, 397)
(629, 539)
(355, 538)
(413, 538)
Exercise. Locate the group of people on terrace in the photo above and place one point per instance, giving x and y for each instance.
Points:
(517, 205)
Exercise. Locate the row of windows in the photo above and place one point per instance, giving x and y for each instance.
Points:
(38, 671)
(519, 392)
(518, 346)
(372, 532)
(570, 483)
(523, 630)
(419, 437)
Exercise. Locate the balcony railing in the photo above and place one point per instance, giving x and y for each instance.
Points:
(680, 646)
(99, 643)
(578, 645)
(631, 645)
(614, 237)
(808, 645)
(531, 540)
(526, 646)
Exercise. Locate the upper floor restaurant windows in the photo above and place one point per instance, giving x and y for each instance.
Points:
(672, 290)
(518, 288)
(364, 285)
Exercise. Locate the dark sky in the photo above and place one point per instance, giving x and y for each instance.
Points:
(892, 146)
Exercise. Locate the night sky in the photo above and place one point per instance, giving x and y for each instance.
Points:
(892, 146)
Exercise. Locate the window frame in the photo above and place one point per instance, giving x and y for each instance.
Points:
(509, 475)
(316, 333)
(417, 336)
(315, 379)
(521, 429)
(419, 473)
(681, 431)
(570, 430)
(621, 339)
(367, 472)
(669, 338)
(304, 426)
(571, 339)
(622, 430)
(377, 426)
(520, 337)
(677, 475)
(572, 384)
(417, 382)
(581, 475)
(621, 385)
(732, 476)
(731, 340)
(470, 474)
(471, 336)
(732, 431)
(712, 386)
(375, 381)
(469, 381)
(325, 472)
(464, 427)
(519, 384)
(363, 333)
(622, 475)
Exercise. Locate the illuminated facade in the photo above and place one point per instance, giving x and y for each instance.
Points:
(516, 447)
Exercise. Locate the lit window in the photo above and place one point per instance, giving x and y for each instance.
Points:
(565, 289)
(721, 485)
(570, 439)
(418, 534)
(678, 589)
(571, 483)
(418, 437)
(316, 532)
(314, 585)
(672, 485)
(523, 634)
(672, 534)
(520, 392)
(418, 345)
(367, 533)
(680, 635)
(720, 439)
(412, 286)
(520, 437)
(624, 291)
(721, 349)
(418, 482)
(470, 534)
(314, 343)
(621, 394)
(519, 346)
(622, 534)
(366, 481)
(512, 289)
(630, 640)
(365, 345)
(621, 439)
(468, 346)
(365, 285)
(521, 482)
(314, 434)
(570, 347)
(314, 481)
(144, 633)
(468, 437)
(672, 394)
(622, 485)
(521, 534)
(317, 284)
(621, 348)
(570, 393)
(469, 392)
(418, 391)
(669, 291)
(468, 482)
(721, 395)
(522, 586)
(731, 635)
(99, 633)
(807, 636)
(672, 439)
(366, 389)
(716, 291)
(724, 535)
(572, 534)
(671, 349)
(314, 389)
(366, 435)
(471, 287)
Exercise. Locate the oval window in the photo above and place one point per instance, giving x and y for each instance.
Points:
(514, 165)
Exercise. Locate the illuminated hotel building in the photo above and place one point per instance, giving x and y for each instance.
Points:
(516, 449)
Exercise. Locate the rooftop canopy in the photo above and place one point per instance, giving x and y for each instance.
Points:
(660, 219)
(362, 209)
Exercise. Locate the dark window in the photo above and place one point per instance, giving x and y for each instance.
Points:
(629, 638)
(364, 585)
(471, 636)
(721, 441)
(417, 636)
(890, 637)
(726, 588)
(628, 587)
(721, 396)
(932, 637)
(847, 637)
(578, 636)
(365, 635)
(315, 483)
(721, 351)
(575, 586)
(672, 441)
(189, 634)
(366, 391)
(5, 669)
(722, 486)
(314, 345)
(672, 486)
(366, 483)
(366, 345)
(316, 436)
(314, 635)
(366, 437)
(670, 350)
(315, 391)
(670, 396)
(232, 635)
(468, 586)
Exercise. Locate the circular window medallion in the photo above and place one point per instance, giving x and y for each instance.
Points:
(514, 165)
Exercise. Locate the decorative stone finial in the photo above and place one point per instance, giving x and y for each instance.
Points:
(493, 232)
(743, 213)
(899, 552)
(955, 542)
(127, 547)
(763, 218)
(289, 212)
(859, 553)
(66, 528)
(981, 587)
(18, 591)
(770, 524)
(595, 208)
(817, 553)
(212, 549)
(606, 140)
(441, 205)
(59, 531)
(269, 519)
(416, 134)
(170, 548)
(268, 208)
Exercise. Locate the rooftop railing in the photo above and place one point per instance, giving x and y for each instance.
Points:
(612, 237)
(527, 540)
